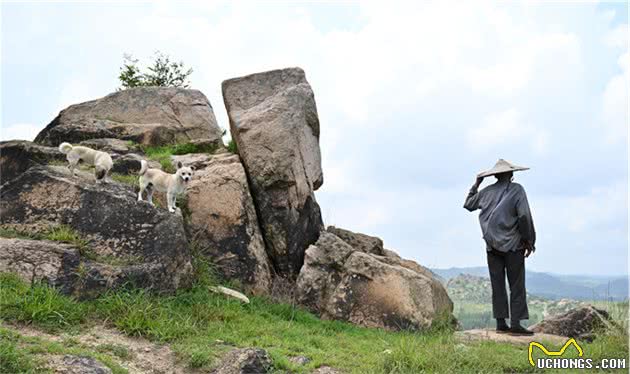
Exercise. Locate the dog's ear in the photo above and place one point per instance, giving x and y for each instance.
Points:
(192, 168)
(179, 164)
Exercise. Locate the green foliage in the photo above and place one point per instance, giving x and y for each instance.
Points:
(39, 304)
(128, 179)
(163, 73)
(163, 153)
(232, 146)
(201, 325)
(14, 359)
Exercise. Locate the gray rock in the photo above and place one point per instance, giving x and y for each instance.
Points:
(125, 241)
(110, 145)
(326, 370)
(244, 361)
(300, 360)
(360, 242)
(129, 163)
(273, 120)
(223, 221)
(339, 282)
(146, 115)
(580, 323)
(70, 364)
(16, 156)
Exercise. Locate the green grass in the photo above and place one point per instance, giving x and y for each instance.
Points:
(21, 354)
(232, 147)
(57, 233)
(128, 179)
(162, 154)
(201, 325)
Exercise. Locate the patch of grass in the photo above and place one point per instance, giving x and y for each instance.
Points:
(162, 154)
(232, 147)
(117, 350)
(31, 347)
(59, 233)
(200, 325)
(39, 304)
(128, 179)
(14, 359)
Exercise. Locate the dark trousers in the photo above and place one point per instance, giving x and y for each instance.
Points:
(512, 263)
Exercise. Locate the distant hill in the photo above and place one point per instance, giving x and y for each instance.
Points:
(556, 286)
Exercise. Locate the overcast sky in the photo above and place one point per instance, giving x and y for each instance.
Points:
(413, 102)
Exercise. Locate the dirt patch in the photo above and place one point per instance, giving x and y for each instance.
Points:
(486, 334)
(134, 354)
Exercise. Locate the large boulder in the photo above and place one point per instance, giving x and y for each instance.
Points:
(342, 283)
(16, 156)
(146, 115)
(121, 241)
(273, 120)
(580, 323)
(223, 222)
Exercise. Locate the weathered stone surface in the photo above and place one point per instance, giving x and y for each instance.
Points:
(127, 241)
(71, 364)
(273, 120)
(16, 156)
(339, 282)
(146, 115)
(244, 361)
(223, 221)
(111, 145)
(358, 241)
(40, 260)
(580, 323)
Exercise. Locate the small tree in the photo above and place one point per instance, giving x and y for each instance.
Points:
(163, 73)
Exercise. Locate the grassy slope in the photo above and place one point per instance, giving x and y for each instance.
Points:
(201, 325)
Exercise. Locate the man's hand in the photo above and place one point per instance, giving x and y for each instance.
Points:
(529, 249)
(478, 181)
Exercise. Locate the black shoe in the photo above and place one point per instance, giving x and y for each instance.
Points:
(503, 329)
(518, 330)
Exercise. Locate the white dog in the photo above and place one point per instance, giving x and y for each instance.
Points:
(172, 184)
(101, 160)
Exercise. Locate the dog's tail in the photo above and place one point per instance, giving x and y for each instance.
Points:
(143, 167)
(65, 147)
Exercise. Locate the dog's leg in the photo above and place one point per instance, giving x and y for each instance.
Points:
(150, 194)
(170, 200)
(141, 185)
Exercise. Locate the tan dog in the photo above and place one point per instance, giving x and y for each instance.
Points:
(172, 184)
(101, 160)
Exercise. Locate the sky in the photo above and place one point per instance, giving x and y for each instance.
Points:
(413, 99)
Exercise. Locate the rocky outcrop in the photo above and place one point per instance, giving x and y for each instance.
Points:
(146, 115)
(122, 241)
(16, 156)
(223, 222)
(71, 364)
(244, 361)
(580, 323)
(342, 283)
(273, 120)
(360, 242)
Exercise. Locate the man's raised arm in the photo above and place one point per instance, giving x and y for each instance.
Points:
(472, 201)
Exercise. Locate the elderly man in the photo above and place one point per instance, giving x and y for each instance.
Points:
(508, 230)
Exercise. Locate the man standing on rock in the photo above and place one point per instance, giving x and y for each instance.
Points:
(508, 230)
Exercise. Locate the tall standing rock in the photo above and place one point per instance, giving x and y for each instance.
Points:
(222, 221)
(146, 115)
(273, 119)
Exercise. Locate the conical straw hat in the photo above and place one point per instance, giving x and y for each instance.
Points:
(501, 166)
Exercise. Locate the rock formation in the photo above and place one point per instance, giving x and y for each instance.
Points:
(340, 282)
(273, 119)
(125, 242)
(16, 156)
(223, 222)
(146, 115)
(579, 323)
